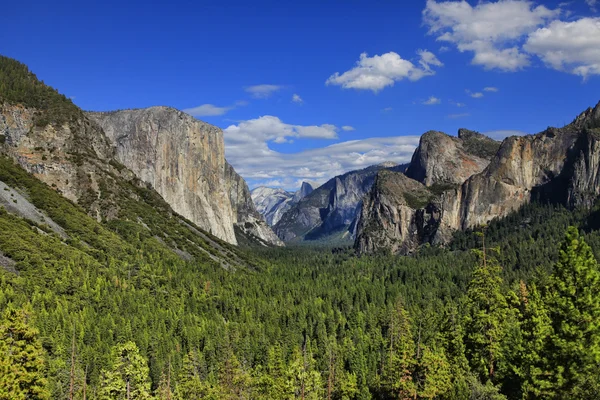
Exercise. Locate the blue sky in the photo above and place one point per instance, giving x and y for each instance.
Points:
(287, 80)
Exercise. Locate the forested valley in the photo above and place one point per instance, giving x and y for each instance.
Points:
(507, 311)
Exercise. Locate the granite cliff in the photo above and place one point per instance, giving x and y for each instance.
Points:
(558, 165)
(183, 159)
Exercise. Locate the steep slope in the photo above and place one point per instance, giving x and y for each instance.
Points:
(557, 165)
(330, 210)
(273, 203)
(248, 221)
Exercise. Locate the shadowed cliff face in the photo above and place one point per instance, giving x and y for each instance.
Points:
(330, 210)
(248, 220)
(557, 165)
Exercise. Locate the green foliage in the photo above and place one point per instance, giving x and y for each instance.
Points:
(486, 318)
(22, 367)
(20, 86)
(127, 376)
(572, 299)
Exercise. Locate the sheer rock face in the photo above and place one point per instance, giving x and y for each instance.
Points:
(247, 219)
(182, 158)
(330, 209)
(557, 165)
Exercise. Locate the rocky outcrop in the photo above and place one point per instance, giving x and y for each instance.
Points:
(441, 159)
(273, 203)
(396, 215)
(557, 165)
(330, 211)
(247, 219)
(72, 156)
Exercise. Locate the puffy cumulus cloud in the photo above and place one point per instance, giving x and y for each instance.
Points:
(432, 100)
(569, 46)
(263, 91)
(492, 31)
(206, 110)
(297, 99)
(247, 149)
(377, 72)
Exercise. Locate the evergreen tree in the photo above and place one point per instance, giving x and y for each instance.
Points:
(486, 317)
(190, 385)
(434, 379)
(400, 362)
(22, 367)
(573, 301)
(532, 361)
(127, 378)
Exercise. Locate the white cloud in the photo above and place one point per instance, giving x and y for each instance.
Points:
(569, 46)
(297, 99)
(492, 31)
(387, 109)
(432, 100)
(263, 91)
(206, 110)
(475, 95)
(592, 4)
(457, 104)
(377, 72)
(347, 128)
(247, 149)
(490, 89)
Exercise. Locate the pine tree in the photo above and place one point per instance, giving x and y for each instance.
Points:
(397, 375)
(536, 330)
(435, 377)
(573, 301)
(22, 365)
(451, 332)
(190, 385)
(127, 378)
(485, 321)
